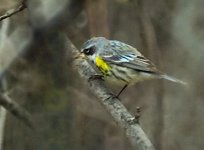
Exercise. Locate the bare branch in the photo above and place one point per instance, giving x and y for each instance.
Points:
(120, 114)
(12, 45)
(13, 11)
(15, 109)
(10, 48)
(46, 15)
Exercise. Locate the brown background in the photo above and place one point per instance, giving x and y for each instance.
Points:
(67, 114)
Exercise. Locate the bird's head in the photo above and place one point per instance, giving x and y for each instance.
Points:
(93, 47)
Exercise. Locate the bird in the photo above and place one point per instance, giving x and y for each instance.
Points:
(121, 63)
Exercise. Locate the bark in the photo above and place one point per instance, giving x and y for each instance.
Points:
(116, 109)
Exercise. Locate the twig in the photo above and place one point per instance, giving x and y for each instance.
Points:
(120, 114)
(13, 11)
(8, 47)
(16, 110)
(137, 115)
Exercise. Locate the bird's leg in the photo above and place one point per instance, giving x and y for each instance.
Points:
(96, 76)
(117, 96)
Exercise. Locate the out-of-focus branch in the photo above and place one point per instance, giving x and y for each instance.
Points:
(13, 11)
(47, 15)
(10, 48)
(153, 48)
(2, 124)
(12, 45)
(2, 114)
(120, 114)
(15, 109)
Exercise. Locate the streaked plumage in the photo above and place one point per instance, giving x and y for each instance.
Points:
(121, 62)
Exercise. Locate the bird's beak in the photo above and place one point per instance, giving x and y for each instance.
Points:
(80, 55)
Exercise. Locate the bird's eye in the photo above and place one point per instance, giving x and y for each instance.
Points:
(89, 51)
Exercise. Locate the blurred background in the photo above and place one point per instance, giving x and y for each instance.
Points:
(65, 112)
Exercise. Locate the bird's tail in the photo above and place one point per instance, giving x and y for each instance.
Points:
(164, 76)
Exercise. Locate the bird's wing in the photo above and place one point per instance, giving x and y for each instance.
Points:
(127, 56)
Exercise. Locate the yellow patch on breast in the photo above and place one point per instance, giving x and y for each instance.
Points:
(102, 65)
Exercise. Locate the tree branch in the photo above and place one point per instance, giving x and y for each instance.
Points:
(13, 11)
(10, 48)
(120, 114)
(15, 109)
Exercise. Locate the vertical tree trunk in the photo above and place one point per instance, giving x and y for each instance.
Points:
(98, 17)
(2, 124)
(150, 39)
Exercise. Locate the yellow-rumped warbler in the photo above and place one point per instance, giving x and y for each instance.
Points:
(120, 62)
